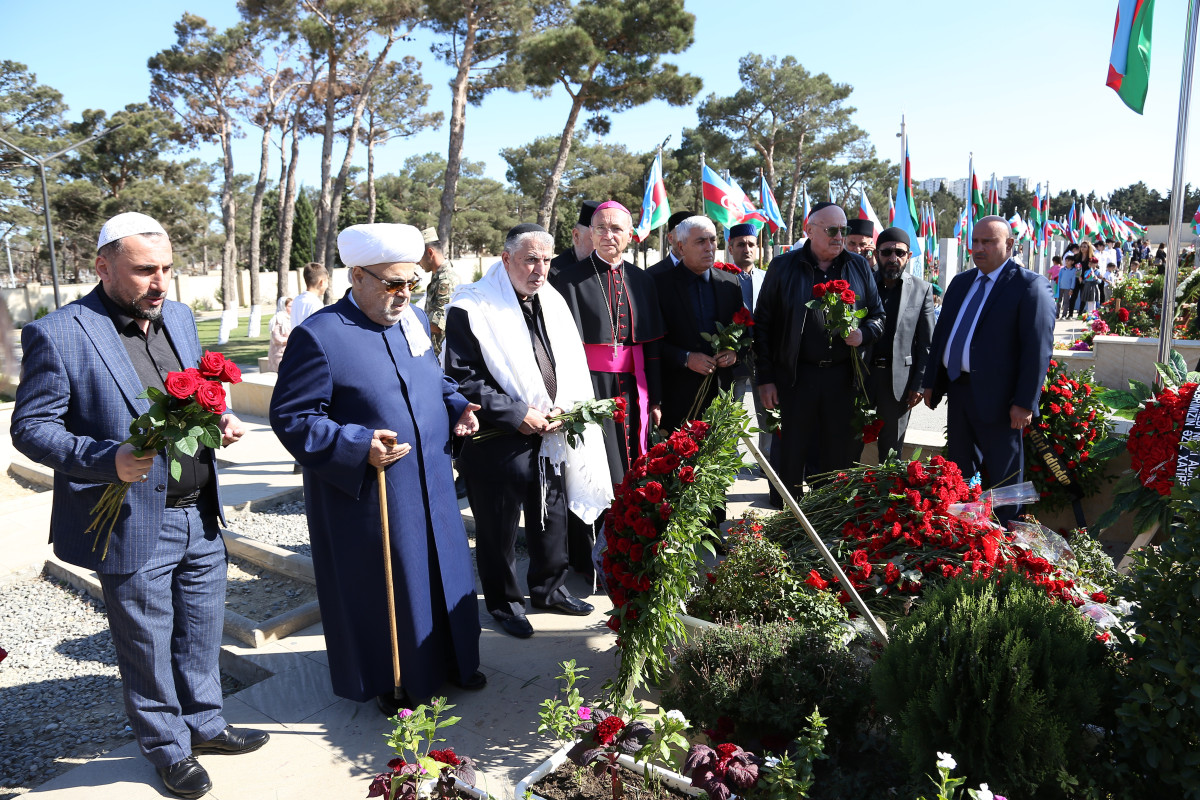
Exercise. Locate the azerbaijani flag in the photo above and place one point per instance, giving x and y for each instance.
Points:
(993, 201)
(961, 225)
(1073, 225)
(1139, 231)
(906, 210)
(891, 209)
(770, 208)
(866, 212)
(750, 212)
(978, 210)
(1196, 221)
(721, 202)
(1129, 61)
(807, 209)
(655, 207)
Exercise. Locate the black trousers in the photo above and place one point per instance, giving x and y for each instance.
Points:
(817, 417)
(990, 447)
(893, 412)
(497, 505)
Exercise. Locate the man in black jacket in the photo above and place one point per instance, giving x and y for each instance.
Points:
(799, 368)
(694, 297)
(581, 239)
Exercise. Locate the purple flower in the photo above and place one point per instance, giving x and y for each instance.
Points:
(404, 712)
(585, 713)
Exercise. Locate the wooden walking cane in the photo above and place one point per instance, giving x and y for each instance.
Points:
(398, 692)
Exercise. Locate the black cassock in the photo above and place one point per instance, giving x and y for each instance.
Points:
(607, 301)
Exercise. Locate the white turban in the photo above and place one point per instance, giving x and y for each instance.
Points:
(380, 243)
(131, 223)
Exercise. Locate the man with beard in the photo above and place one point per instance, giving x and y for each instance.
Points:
(898, 357)
(361, 398)
(673, 255)
(862, 239)
(615, 306)
(514, 350)
(162, 567)
(990, 351)
(694, 297)
(581, 239)
(799, 367)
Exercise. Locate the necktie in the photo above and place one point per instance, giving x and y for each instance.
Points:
(965, 321)
(545, 365)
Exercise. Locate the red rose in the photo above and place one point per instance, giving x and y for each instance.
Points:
(1099, 597)
(847, 296)
(743, 317)
(665, 510)
(686, 447)
(653, 492)
(687, 475)
(635, 553)
(230, 373)
(819, 291)
(211, 396)
(211, 364)
(619, 413)
(181, 384)
(614, 623)
(840, 286)
(1123, 314)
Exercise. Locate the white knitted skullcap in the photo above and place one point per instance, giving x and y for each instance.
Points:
(380, 243)
(131, 223)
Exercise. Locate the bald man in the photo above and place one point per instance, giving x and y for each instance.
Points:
(798, 367)
(989, 355)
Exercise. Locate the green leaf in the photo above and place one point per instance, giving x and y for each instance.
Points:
(1140, 390)
(187, 445)
(176, 469)
(1178, 367)
(1118, 399)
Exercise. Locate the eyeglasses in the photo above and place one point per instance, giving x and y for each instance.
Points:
(835, 231)
(394, 287)
(892, 251)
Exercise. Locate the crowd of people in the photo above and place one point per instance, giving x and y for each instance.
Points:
(379, 402)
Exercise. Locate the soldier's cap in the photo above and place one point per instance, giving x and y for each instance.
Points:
(430, 235)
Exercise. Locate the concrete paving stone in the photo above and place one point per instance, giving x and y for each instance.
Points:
(309, 643)
(292, 694)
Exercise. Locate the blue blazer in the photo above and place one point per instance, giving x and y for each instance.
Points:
(78, 395)
(1011, 348)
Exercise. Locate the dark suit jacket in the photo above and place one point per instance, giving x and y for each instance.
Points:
(78, 394)
(666, 264)
(1011, 348)
(914, 332)
(680, 384)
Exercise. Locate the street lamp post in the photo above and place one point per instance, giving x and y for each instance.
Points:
(41, 163)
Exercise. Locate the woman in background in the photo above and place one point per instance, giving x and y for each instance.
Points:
(281, 328)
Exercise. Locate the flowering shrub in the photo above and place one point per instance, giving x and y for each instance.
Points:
(893, 532)
(415, 732)
(1074, 426)
(657, 530)
(1153, 443)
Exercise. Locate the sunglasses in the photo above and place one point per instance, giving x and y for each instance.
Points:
(892, 251)
(835, 231)
(394, 287)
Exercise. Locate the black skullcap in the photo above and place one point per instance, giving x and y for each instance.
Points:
(893, 235)
(861, 227)
(821, 205)
(586, 209)
(524, 227)
(742, 229)
(678, 217)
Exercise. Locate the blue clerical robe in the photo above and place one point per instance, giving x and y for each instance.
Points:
(342, 377)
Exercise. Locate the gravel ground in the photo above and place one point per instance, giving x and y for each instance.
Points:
(284, 526)
(60, 692)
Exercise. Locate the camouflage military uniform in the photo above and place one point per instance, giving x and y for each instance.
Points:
(437, 295)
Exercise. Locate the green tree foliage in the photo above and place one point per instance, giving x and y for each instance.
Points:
(606, 56)
(1001, 677)
(1158, 734)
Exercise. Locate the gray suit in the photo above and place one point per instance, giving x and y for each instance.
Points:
(896, 374)
(164, 575)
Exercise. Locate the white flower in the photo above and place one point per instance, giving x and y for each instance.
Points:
(678, 717)
(983, 793)
(946, 761)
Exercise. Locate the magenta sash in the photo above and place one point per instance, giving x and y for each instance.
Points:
(625, 358)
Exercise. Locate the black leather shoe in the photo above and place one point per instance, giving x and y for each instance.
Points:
(232, 741)
(185, 778)
(390, 706)
(516, 626)
(570, 605)
(475, 682)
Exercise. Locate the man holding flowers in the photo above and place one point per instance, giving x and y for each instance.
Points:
(805, 364)
(87, 370)
(514, 350)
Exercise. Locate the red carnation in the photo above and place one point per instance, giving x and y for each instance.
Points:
(211, 364)
(1123, 314)
(619, 413)
(211, 396)
(687, 475)
(819, 291)
(815, 580)
(847, 295)
(654, 492)
(743, 317)
(181, 384)
(1099, 597)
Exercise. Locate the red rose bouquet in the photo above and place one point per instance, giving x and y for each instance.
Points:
(735, 337)
(1067, 448)
(837, 300)
(178, 422)
(896, 529)
(1153, 443)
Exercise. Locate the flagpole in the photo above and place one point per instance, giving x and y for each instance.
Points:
(662, 229)
(700, 187)
(1170, 275)
(762, 203)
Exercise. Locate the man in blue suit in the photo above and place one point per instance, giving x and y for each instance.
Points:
(990, 352)
(163, 574)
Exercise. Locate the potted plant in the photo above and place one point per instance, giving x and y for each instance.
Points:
(419, 770)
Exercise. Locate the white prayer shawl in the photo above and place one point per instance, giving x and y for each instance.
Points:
(499, 325)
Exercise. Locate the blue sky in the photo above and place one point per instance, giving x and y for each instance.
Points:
(1019, 83)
